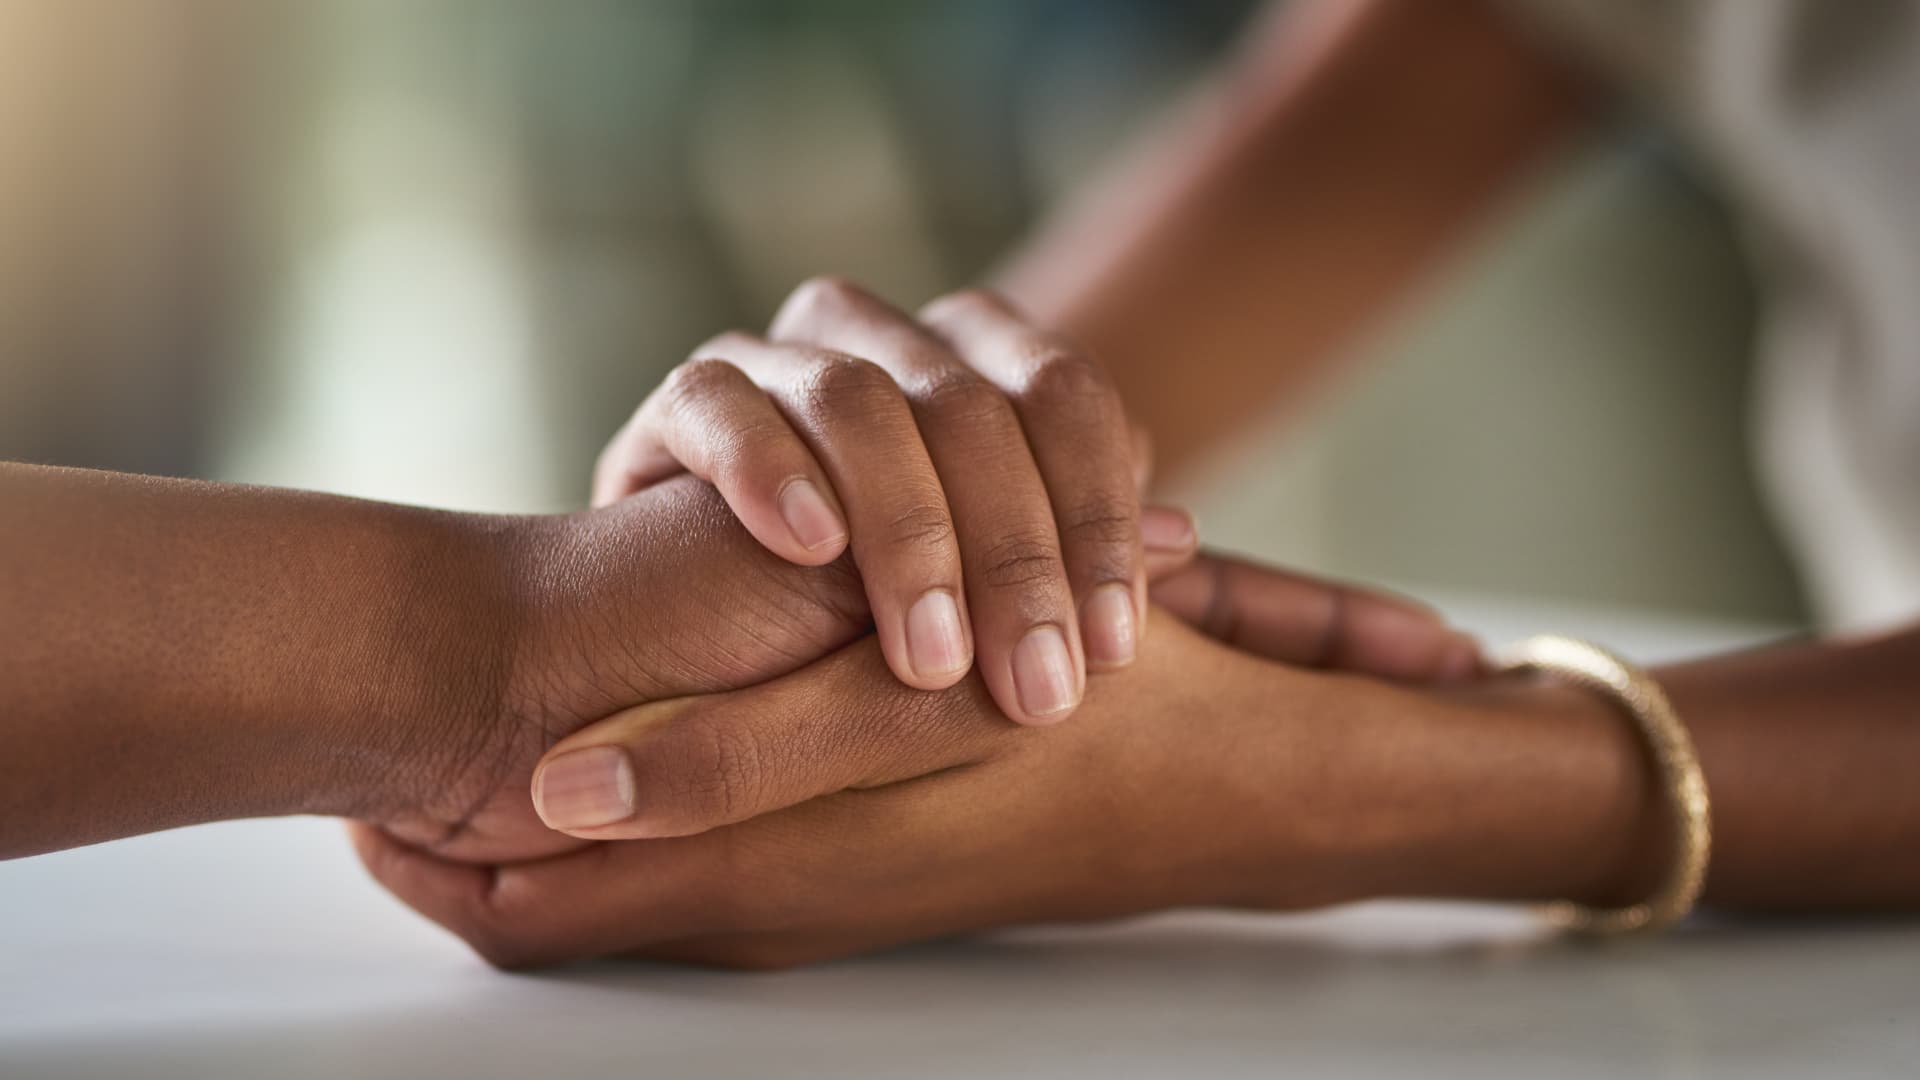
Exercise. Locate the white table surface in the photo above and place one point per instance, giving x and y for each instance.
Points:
(259, 949)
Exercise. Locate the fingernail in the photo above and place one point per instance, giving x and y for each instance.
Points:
(936, 642)
(1043, 674)
(813, 522)
(582, 789)
(1106, 623)
(1165, 529)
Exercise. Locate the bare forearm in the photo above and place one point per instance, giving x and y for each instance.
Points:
(1241, 251)
(1810, 752)
(1536, 791)
(175, 651)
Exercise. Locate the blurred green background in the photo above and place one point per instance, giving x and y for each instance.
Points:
(436, 251)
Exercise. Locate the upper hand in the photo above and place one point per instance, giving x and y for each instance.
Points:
(980, 468)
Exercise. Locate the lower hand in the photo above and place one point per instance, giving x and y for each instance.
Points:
(860, 813)
(1150, 801)
(662, 596)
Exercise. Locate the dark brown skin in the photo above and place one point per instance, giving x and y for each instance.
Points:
(175, 651)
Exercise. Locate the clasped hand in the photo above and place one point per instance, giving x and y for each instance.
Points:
(832, 723)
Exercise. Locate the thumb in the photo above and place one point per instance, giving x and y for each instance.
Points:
(1305, 621)
(675, 768)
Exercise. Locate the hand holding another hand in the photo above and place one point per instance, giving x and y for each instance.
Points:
(835, 810)
(980, 468)
(956, 420)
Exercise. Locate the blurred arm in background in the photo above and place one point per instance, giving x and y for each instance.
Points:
(1245, 247)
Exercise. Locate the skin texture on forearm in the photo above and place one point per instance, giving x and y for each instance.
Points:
(1810, 752)
(1533, 790)
(1225, 266)
(176, 651)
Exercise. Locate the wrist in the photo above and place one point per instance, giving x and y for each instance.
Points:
(1509, 789)
(1558, 797)
(443, 605)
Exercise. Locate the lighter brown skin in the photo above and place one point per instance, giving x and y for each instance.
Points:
(834, 811)
(1351, 149)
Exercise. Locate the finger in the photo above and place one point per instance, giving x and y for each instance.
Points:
(1304, 621)
(626, 466)
(1142, 460)
(709, 418)
(1025, 626)
(452, 894)
(601, 899)
(1170, 540)
(1083, 447)
(851, 415)
(682, 767)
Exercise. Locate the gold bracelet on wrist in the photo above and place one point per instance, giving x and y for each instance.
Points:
(1676, 765)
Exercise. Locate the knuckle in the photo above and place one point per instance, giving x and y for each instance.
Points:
(924, 527)
(1059, 378)
(700, 378)
(828, 288)
(965, 303)
(721, 771)
(709, 403)
(822, 298)
(1020, 561)
(847, 384)
(966, 401)
(1102, 521)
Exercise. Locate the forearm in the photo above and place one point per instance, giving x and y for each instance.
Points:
(1226, 264)
(1534, 790)
(175, 651)
(1809, 752)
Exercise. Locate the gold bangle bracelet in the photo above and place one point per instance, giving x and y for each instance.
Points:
(1677, 765)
